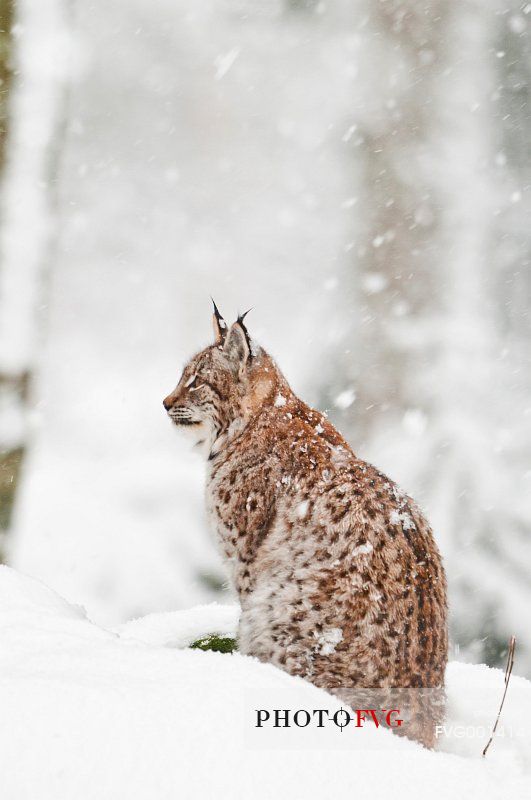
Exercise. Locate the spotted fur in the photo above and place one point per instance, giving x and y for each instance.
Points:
(337, 571)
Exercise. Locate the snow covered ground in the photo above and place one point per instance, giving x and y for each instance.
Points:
(89, 713)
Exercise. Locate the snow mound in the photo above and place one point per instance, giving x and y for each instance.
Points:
(91, 714)
(181, 628)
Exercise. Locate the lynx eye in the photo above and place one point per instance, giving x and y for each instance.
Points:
(192, 384)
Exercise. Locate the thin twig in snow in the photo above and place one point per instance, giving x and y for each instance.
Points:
(508, 670)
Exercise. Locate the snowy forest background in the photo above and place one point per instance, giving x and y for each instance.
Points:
(356, 170)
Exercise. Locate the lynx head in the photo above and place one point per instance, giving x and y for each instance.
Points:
(222, 386)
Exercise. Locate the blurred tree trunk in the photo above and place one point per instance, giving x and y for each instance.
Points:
(6, 18)
(33, 63)
(398, 210)
(498, 501)
(10, 456)
(480, 429)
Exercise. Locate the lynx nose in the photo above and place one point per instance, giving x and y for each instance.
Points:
(167, 403)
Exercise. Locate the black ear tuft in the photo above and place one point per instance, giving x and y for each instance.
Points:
(220, 326)
(240, 322)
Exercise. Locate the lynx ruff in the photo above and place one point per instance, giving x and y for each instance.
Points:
(337, 571)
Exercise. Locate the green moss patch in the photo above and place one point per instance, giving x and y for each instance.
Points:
(219, 644)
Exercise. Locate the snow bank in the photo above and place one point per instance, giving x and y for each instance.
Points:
(88, 713)
(181, 628)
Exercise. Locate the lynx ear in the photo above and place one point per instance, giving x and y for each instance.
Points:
(238, 345)
(220, 326)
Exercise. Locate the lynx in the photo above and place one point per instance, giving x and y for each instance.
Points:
(337, 571)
